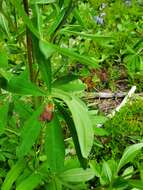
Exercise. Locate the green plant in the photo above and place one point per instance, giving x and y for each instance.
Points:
(113, 174)
(38, 154)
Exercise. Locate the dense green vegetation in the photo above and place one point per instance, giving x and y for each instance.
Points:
(51, 53)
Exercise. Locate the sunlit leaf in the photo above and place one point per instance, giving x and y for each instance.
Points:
(13, 174)
(4, 24)
(54, 145)
(81, 120)
(70, 53)
(30, 182)
(129, 153)
(42, 1)
(77, 175)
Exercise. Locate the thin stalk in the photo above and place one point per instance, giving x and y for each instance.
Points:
(29, 43)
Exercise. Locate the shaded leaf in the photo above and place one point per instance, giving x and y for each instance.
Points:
(3, 59)
(29, 133)
(22, 85)
(3, 116)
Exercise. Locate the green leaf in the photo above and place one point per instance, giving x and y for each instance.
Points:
(133, 63)
(83, 125)
(42, 1)
(22, 85)
(64, 80)
(31, 182)
(42, 55)
(85, 35)
(54, 185)
(70, 53)
(77, 175)
(54, 145)
(27, 21)
(4, 24)
(3, 59)
(73, 132)
(3, 116)
(128, 172)
(81, 120)
(72, 86)
(136, 183)
(56, 23)
(46, 50)
(129, 153)
(29, 133)
(106, 172)
(13, 174)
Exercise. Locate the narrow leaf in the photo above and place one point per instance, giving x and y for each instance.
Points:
(29, 133)
(70, 53)
(3, 116)
(106, 171)
(22, 85)
(54, 145)
(42, 1)
(13, 174)
(81, 120)
(26, 19)
(3, 59)
(30, 183)
(129, 153)
(4, 24)
(73, 132)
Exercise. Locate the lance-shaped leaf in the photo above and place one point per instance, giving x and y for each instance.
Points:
(3, 59)
(3, 116)
(27, 21)
(71, 126)
(29, 133)
(54, 145)
(30, 182)
(81, 120)
(22, 85)
(68, 52)
(4, 24)
(13, 174)
(77, 175)
(43, 61)
(42, 1)
(129, 153)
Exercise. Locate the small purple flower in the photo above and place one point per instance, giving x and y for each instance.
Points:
(99, 20)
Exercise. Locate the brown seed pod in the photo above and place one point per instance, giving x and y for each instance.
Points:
(47, 113)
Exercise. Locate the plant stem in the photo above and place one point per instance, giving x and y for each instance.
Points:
(29, 43)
